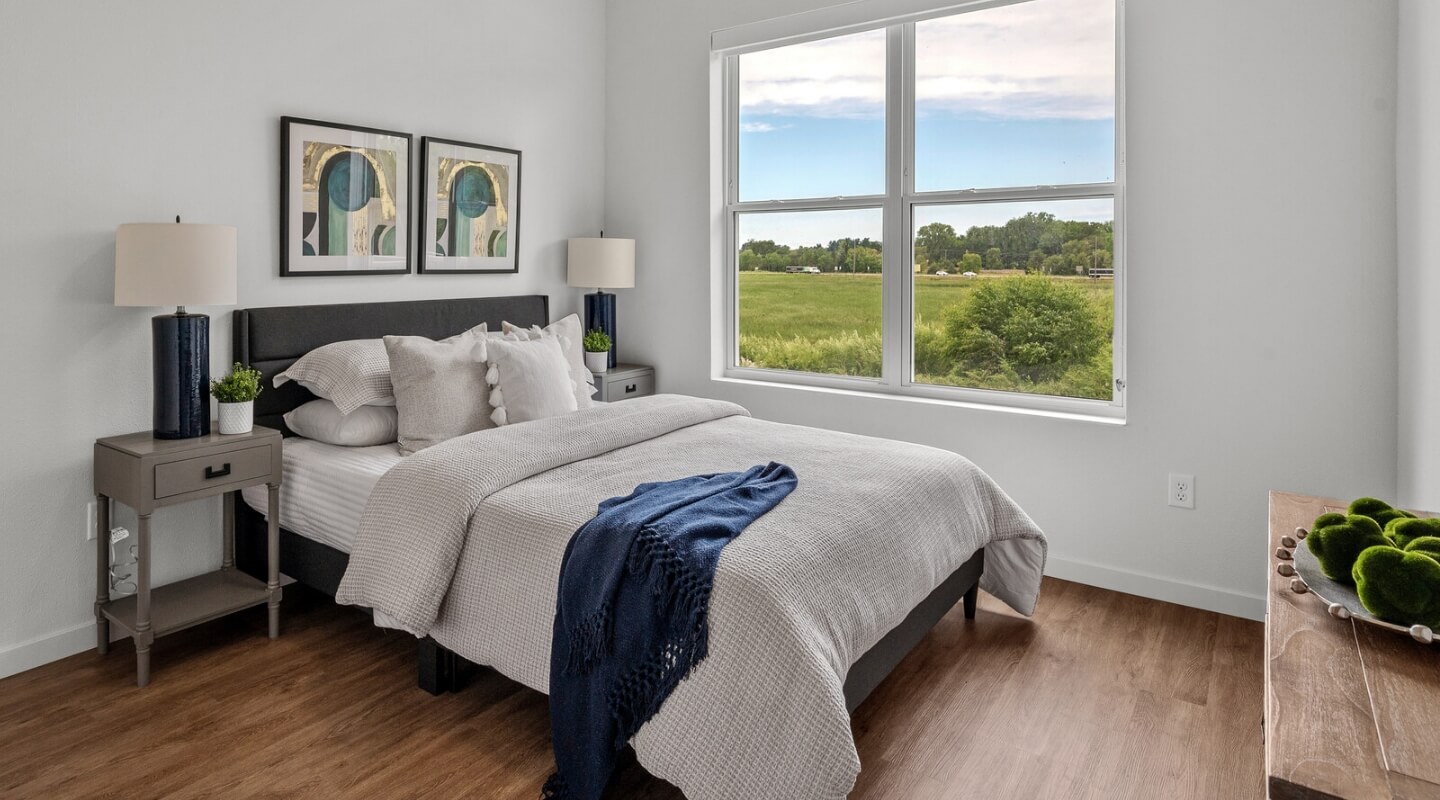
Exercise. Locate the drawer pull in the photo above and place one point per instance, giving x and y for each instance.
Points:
(211, 473)
(630, 388)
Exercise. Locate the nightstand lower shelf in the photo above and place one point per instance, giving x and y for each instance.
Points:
(179, 605)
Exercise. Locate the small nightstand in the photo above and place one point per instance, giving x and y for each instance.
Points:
(624, 382)
(146, 473)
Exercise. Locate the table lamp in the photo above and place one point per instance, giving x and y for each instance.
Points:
(166, 264)
(601, 264)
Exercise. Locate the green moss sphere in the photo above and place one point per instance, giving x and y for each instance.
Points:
(1378, 510)
(1336, 541)
(1399, 587)
(1425, 545)
(1405, 530)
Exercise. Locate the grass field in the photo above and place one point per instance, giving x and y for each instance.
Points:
(831, 324)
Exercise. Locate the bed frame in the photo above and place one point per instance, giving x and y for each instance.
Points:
(271, 339)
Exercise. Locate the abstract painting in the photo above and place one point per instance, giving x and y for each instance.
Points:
(470, 214)
(344, 199)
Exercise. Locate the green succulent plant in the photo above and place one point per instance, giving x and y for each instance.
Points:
(1336, 540)
(596, 341)
(240, 386)
(1405, 530)
(1398, 586)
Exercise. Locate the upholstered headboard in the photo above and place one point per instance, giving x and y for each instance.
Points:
(271, 339)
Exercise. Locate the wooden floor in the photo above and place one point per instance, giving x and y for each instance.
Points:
(1101, 695)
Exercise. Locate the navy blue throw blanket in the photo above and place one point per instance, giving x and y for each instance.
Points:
(632, 613)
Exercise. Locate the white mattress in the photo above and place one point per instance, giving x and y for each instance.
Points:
(324, 488)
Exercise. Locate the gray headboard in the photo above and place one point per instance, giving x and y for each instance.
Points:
(271, 339)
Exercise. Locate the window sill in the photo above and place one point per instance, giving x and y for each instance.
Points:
(1112, 415)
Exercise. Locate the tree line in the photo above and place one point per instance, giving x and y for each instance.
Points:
(1037, 243)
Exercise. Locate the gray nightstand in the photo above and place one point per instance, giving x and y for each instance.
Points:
(624, 382)
(146, 473)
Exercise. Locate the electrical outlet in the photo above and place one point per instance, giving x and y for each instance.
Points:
(1181, 493)
(90, 521)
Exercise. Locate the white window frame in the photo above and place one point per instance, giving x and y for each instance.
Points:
(897, 206)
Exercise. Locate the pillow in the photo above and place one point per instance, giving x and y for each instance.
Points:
(322, 421)
(572, 342)
(528, 380)
(440, 389)
(351, 374)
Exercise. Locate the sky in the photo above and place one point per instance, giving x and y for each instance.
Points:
(1019, 95)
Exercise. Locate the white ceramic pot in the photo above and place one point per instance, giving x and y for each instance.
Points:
(237, 417)
(597, 362)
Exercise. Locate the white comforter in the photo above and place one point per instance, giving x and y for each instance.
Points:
(463, 542)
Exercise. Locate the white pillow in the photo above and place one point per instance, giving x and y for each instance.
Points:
(352, 373)
(322, 421)
(528, 380)
(572, 342)
(440, 390)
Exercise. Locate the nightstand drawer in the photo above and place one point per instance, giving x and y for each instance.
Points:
(626, 388)
(194, 474)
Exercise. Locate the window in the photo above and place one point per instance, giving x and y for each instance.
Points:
(931, 207)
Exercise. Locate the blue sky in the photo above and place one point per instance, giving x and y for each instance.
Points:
(1019, 95)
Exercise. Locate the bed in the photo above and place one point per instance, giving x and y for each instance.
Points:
(473, 617)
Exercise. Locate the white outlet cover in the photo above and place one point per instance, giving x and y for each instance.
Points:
(1180, 491)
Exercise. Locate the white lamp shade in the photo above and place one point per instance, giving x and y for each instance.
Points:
(602, 263)
(175, 264)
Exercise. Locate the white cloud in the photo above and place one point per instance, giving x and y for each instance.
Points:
(760, 127)
(1044, 59)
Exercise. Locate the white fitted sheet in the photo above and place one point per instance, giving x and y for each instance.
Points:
(324, 488)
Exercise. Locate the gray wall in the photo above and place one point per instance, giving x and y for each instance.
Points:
(138, 111)
(1417, 172)
(1265, 363)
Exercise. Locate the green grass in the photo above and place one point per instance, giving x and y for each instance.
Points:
(831, 324)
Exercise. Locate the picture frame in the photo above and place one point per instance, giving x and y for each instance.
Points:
(360, 223)
(469, 209)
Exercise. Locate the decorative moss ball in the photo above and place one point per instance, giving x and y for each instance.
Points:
(1378, 510)
(1426, 545)
(1406, 529)
(1399, 587)
(1336, 541)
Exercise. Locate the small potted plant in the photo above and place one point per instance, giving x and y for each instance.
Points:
(236, 393)
(597, 351)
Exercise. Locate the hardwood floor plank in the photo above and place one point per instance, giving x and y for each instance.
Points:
(1101, 695)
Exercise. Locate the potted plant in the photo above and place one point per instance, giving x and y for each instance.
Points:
(236, 393)
(597, 351)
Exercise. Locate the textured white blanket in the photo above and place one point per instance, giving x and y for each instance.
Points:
(463, 542)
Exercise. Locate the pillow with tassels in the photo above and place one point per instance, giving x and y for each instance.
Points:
(528, 380)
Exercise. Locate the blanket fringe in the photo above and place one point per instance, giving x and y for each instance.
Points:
(590, 641)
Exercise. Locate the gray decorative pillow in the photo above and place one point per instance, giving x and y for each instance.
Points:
(322, 421)
(350, 374)
(572, 341)
(528, 380)
(440, 388)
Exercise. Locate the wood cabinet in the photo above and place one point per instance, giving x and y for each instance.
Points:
(1351, 710)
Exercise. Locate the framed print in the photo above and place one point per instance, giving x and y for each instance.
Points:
(344, 199)
(470, 207)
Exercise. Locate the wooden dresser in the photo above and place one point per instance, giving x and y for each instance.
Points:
(1351, 710)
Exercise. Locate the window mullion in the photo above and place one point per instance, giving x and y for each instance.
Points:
(894, 370)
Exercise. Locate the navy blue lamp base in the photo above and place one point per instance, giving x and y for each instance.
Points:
(600, 315)
(182, 375)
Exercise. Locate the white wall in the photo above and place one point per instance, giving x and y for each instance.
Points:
(1417, 171)
(138, 111)
(1261, 296)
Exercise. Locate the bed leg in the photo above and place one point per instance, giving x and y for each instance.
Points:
(437, 668)
(972, 598)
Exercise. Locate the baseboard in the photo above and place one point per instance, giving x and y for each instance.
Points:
(1209, 598)
(43, 649)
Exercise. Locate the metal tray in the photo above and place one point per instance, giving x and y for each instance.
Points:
(1297, 563)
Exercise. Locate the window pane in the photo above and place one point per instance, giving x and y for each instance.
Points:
(1019, 95)
(809, 291)
(812, 119)
(1017, 297)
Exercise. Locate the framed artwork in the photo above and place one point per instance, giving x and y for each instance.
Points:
(344, 199)
(470, 207)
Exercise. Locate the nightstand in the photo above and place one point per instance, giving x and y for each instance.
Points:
(146, 473)
(624, 382)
